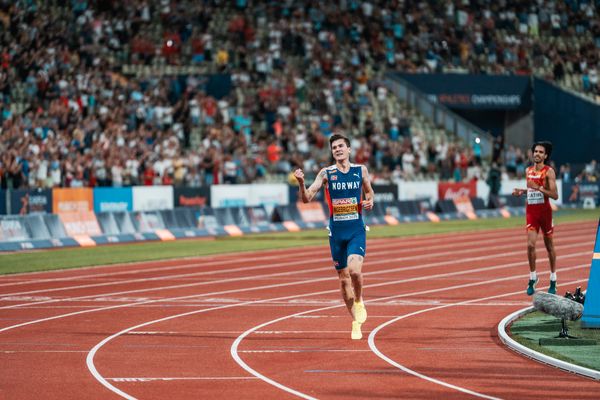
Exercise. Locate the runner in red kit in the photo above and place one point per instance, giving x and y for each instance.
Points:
(541, 187)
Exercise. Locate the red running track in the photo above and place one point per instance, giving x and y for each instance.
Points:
(271, 325)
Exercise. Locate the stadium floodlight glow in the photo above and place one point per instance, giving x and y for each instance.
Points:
(477, 140)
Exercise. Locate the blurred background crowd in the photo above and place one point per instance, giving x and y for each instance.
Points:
(111, 93)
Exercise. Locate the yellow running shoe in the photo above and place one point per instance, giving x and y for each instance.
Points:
(356, 333)
(360, 312)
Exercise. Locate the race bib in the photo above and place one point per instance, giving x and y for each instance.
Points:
(345, 209)
(535, 197)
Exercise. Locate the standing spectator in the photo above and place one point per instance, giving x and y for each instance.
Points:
(565, 173)
(494, 181)
(230, 170)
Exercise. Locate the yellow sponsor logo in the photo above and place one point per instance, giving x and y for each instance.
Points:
(345, 209)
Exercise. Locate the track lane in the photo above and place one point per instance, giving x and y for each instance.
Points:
(111, 319)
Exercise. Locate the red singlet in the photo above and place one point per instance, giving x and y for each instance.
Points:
(538, 211)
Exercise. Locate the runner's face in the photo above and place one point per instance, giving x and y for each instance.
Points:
(340, 150)
(539, 154)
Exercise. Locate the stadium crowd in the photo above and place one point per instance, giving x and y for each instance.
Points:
(298, 71)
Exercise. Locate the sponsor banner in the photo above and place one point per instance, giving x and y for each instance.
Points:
(475, 91)
(233, 230)
(291, 226)
(311, 212)
(67, 200)
(229, 196)
(452, 190)
(418, 190)
(576, 193)
(385, 193)
(258, 216)
(12, 228)
(207, 222)
(148, 198)
(164, 234)
(189, 233)
(149, 221)
(84, 240)
(113, 199)
(191, 197)
(80, 224)
(37, 244)
(23, 201)
(268, 195)
(463, 204)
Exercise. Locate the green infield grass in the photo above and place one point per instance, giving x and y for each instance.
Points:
(39, 260)
(532, 327)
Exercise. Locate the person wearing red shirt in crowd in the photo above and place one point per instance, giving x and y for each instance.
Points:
(273, 152)
(148, 175)
(541, 187)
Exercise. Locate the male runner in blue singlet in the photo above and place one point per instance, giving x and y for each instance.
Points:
(345, 184)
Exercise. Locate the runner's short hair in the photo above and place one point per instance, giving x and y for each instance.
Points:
(338, 136)
(547, 148)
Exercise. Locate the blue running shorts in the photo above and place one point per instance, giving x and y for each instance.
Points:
(342, 246)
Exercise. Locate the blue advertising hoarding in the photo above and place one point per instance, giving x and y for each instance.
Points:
(482, 92)
(113, 199)
(30, 201)
(569, 121)
(577, 192)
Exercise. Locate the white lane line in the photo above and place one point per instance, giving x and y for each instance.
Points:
(42, 351)
(371, 340)
(216, 260)
(109, 386)
(234, 347)
(306, 351)
(371, 262)
(280, 332)
(183, 378)
(409, 248)
(183, 265)
(395, 282)
(452, 246)
(194, 264)
(352, 371)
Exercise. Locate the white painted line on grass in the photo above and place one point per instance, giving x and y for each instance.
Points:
(526, 351)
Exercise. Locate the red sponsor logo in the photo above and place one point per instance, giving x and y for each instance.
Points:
(451, 190)
(192, 201)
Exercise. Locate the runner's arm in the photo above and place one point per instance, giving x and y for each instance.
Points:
(308, 194)
(550, 189)
(367, 203)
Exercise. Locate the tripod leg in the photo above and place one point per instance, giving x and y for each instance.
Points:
(564, 332)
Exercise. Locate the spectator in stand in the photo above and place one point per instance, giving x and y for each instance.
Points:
(565, 172)
(78, 98)
(494, 181)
